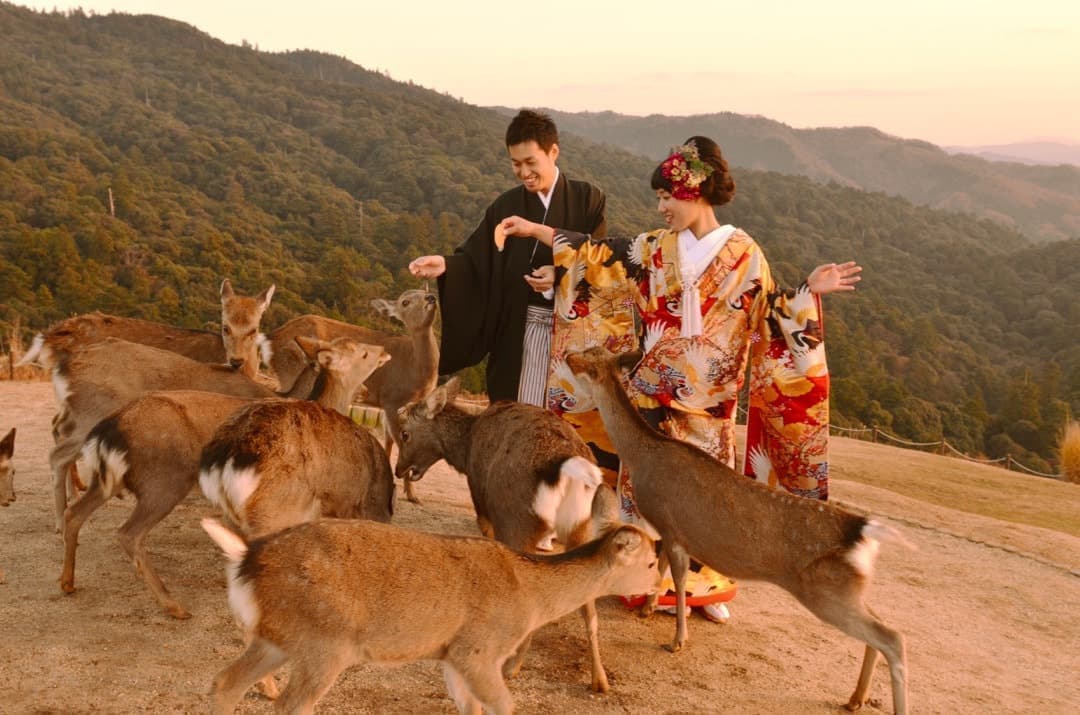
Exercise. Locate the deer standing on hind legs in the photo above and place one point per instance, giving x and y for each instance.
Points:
(821, 554)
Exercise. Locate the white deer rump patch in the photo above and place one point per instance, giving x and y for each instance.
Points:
(242, 598)
(108, 463)
(237, 486)
(864, 554)
(569, 502)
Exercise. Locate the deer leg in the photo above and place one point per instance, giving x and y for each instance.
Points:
(649, 607)
(259, 659)
(74, 516)
(513, 664)
(866, 674)
(680, 565)
(578, 536)
(312, 675)
(61, 457)
(486, 683)
(73, 478)
(846, 611)
(879, 638)
(466, 702)
(592, 630)
(132, 535)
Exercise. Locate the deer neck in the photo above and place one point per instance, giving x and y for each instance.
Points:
(455, 436)
(629, 432)
(426, 351)
(322, 387)
(561, 583)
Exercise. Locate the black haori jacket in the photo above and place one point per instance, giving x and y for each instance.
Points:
(483, 294)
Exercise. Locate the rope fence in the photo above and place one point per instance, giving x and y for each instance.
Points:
(944, 446)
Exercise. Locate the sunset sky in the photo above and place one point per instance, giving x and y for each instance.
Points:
(947, 71)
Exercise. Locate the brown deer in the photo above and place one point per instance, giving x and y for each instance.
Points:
(820, 553)
(415, 356)
(151, 447)
(236, 344)
(366, 595)
(100, 378)
(275, 464)
(7, 474)
(529, 473)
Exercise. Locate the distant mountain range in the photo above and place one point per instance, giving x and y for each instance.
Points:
(1038, 153)
(1043, 202)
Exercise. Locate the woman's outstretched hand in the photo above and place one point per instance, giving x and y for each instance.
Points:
(832, 277)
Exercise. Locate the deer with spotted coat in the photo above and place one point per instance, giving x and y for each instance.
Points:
(529, 474)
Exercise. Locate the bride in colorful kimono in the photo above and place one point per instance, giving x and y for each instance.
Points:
(699, 301)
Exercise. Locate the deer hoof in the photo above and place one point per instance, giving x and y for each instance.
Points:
(673, 647)
(177, 611)
(67, 586)
(600, 684)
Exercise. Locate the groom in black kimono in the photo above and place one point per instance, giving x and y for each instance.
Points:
(485, 294)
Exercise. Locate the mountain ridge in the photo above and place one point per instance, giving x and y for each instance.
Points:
(1043, 202)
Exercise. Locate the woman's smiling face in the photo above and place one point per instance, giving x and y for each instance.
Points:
(678, 215)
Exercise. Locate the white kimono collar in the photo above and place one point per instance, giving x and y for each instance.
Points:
(696, 255)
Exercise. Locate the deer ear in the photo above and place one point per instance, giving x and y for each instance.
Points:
(310, 346)
(626, 541)
(326, 357)
(453, 388)
(384, 307)
(626, 362)
(434, 402)
(7, 446)
(226, 289)
(266, 295)
(384, 358)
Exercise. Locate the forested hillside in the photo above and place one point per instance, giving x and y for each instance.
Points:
(305, 170)
(1041, 201)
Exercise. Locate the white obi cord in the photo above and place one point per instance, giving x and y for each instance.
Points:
(695, 255)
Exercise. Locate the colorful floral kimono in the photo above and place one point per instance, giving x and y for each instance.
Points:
(627, 293)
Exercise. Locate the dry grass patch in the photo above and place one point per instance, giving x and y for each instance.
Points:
(989, 491)
(1070, 452)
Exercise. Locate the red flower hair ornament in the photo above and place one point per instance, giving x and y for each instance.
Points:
(686, 172)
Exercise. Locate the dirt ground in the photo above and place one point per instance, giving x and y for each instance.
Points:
(990, 610)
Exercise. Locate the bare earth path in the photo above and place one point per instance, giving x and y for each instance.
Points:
(990, 608)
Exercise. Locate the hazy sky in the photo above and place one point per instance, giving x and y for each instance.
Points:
(948, 71)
